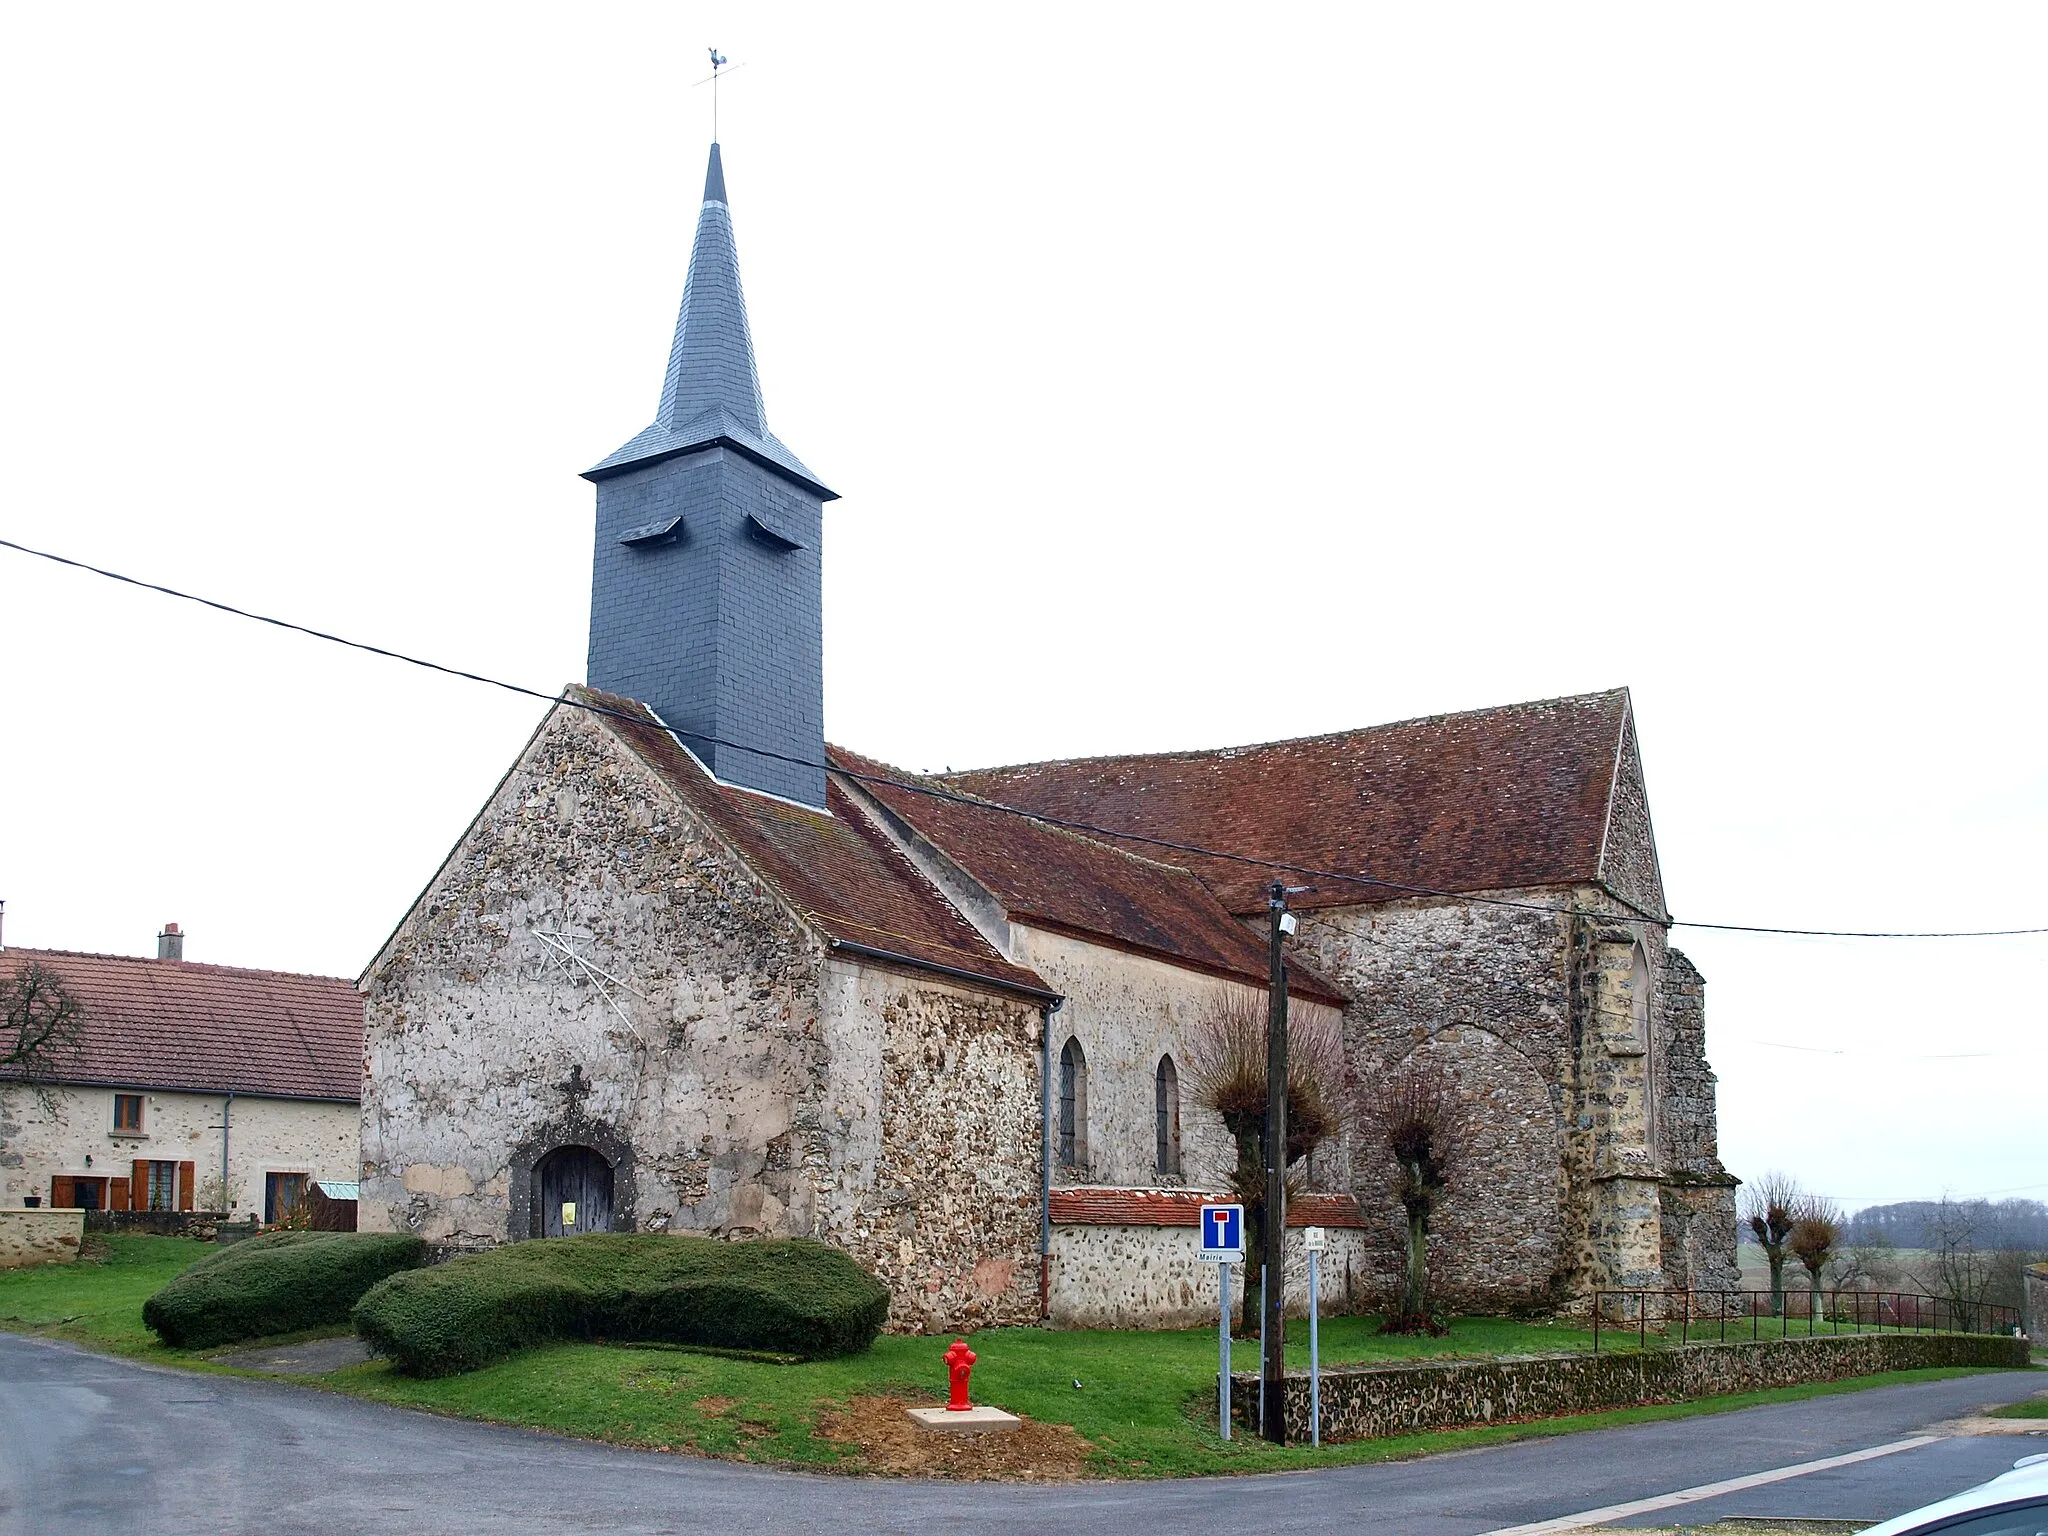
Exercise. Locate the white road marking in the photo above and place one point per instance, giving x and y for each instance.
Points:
(1592, 1517)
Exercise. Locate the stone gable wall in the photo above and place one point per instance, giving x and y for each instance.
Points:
(1628, 863)
(707, 1055)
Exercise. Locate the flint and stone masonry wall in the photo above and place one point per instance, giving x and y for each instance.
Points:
(1595, 1160)
(1370, 1402)
(741, 1079)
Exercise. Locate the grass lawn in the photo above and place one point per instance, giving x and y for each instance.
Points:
(2032, 1408)
(1145, 1406)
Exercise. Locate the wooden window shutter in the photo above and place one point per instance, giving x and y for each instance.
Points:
(185, 1172)
(117, 1195)
(138, 1184)
(62, 1196)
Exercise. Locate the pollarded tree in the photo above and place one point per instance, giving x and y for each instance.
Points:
(1225, 1069)
(1816, 1233)
(1417, 1117)
(1770, 1206)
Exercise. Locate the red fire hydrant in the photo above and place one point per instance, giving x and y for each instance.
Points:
(960, 1361)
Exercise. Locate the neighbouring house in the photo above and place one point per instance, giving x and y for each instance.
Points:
(195, 1087)
(690, 970)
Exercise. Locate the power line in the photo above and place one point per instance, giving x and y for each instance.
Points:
(1063, 823)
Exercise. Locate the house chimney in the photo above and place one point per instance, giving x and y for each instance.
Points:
(170, 944)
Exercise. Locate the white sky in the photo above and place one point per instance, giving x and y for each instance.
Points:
(1192, 376)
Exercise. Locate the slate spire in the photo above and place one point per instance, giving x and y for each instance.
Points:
(712, 391)
(706, 577)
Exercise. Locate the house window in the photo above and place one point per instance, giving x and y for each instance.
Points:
(1166, 1115)
(1073, 1105)
(282, 1193)
(128, 1112)
(163, 1186)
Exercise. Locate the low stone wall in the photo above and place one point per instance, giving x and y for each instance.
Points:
(199, 1224)
(1371, 1401)
(40, 1237)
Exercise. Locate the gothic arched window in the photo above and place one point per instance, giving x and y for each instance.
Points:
(1166, 1115)
(1073, 1104)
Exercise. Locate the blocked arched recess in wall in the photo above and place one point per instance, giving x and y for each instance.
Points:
(1497, 1238)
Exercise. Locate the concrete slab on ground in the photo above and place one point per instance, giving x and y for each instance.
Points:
(965, 1421)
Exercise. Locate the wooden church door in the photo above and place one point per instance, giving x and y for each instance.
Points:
(572, 1193)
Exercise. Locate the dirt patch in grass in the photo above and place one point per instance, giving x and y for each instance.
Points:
(890, 1443)
(712, 1407)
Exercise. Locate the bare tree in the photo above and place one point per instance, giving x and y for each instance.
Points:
(1816, 1233)
(1416, 1116)
(1225, 1069)
(1770, 1207)
(1962, 1270)
(41, 1025)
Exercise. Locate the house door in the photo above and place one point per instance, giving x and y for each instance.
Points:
(572, 1193)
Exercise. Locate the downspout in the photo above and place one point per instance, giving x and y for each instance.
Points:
(227, 1114)
(1045, 1170)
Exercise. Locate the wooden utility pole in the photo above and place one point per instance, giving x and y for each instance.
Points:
(1273, 1295)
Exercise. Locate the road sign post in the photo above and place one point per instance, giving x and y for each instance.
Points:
(1223, 1246)
(1314, 1239)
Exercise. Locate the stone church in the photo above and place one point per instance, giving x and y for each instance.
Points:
(692, 970)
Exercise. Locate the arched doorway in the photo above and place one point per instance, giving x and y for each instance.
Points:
(572, 1193)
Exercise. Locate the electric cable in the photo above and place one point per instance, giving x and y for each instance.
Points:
(1066, 824)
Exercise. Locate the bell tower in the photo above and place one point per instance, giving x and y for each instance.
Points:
(705, 595)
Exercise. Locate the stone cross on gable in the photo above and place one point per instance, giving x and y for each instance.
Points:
(574, 1087)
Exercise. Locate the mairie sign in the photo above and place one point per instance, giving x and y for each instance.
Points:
(1223, 1234)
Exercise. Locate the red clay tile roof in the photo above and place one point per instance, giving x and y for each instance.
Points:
(1074, 884)
(1493, 799)
(175, 1024)
(1092, 1206)
(838, 870)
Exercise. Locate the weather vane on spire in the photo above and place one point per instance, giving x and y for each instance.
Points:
(718, 62)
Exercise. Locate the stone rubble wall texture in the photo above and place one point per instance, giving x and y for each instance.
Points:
(1566, 1186)
(760, 1086)
(935, 1185)
(268, 1136)
(1373, 1402)
(40, 1237)
(707, 1053)
(1152, 1277)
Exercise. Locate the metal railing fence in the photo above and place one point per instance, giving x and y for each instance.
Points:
(1718, 1315)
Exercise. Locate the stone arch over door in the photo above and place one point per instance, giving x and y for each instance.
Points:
(526, 1217)
(1498, 1238)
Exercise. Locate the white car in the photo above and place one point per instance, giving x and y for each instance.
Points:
(2012, 1504)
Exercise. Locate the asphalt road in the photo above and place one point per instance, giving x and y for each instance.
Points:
(91, 1444)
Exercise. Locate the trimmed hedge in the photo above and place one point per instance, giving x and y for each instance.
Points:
(279, 1283)
(789, 1295)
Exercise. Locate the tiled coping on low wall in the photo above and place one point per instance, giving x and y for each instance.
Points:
(1367, 1402)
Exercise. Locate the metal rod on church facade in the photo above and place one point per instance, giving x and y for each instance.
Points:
(1273, 1285)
